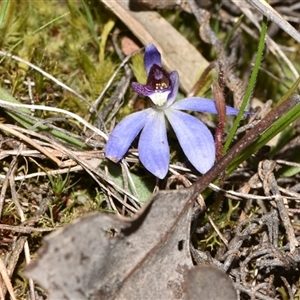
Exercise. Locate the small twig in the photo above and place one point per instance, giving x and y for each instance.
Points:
(17, 249)
(221, 108)
(288, 163)
(48, 173)
(29, 85)
(7, 282)
(29, 141)
(177, 178)
(272, 45)
(238, 196)
(6, 104)
(288, 287)
(24, 229)
(203, 257)
(22, 217)
(266, 169)
(250, 292)
(218, 231)
(244, 142)
(5, 184)
(265, 8)
(219, 134)
(88, 168)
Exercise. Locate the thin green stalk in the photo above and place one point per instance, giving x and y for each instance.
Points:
(27, 122)
(234, 28)
(3, 11)
(34, 32)
(251, 85)
(278, 126)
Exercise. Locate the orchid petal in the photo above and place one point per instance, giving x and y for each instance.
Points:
(202, 105)
(158, 98)
(151, 57)
(174, 78)
(141, 89)
(124, 133)
(194, 138)
(153, 146)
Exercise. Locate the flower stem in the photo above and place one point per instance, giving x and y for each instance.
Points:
(292, 103)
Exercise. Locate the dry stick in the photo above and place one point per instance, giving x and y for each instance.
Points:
(285, 217)
(288, 287)
(13, 256)
(249, 291)
(8, 105)
(4, 188)
(221, 108)
(22, 217)
(208, 35)
(7, 282)
(266, 9)
(39, 174)
(10, 172)
(270, 42)
(24, 229)
(29, 141)
(215, 227)
(241, 196)
(243, 143)
(219, 134)
(91, 170)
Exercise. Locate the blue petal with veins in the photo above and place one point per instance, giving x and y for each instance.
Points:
(153, 145)
(194, 137)
(124, 133)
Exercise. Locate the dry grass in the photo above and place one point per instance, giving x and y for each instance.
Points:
(65, 84)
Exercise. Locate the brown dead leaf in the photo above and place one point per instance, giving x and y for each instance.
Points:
(177, 53)
(209, 283)
(148, 258)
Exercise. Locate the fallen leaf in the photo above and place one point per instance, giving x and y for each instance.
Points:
(209, 283)
(143, 186)
(148, 259)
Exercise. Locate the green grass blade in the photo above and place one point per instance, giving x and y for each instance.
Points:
(34, 32)
(3, 11)
(28, 122)
(281, 124)
(251, 85)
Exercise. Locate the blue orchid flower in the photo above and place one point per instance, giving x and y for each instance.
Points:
(194, 137)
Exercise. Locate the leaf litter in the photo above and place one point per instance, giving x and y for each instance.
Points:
(169, 248)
